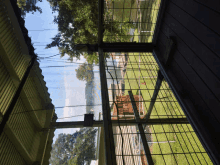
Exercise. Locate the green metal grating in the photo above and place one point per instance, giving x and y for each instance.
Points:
(169, 143)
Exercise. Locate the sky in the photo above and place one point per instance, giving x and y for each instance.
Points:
(63, 86)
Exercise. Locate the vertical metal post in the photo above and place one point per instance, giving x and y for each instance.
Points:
(140, 127)
(110, 156)
(16, 96)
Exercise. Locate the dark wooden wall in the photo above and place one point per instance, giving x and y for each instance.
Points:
(195, 65)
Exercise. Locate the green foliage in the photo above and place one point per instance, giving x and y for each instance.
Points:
(62, 148)
(28, 6)
(85, 72)
(91, 58)
(83, 17)
(21, 3)
(77, 148)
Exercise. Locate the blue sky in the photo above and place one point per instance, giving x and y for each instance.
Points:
(64, 88)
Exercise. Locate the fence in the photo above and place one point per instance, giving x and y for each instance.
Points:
(170, 143)
(138, 89)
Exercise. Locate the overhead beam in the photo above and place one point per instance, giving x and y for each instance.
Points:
(80, 124)
(116, 47)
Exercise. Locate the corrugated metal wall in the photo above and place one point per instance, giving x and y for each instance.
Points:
(11, 45)
(7, 88)
(24, 129)
(34, 99)
(20, 122)
(8, 153)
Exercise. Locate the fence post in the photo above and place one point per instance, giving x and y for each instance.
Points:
(110, 156)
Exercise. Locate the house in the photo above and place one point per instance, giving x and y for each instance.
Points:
(123, 107)
(116, 90)
(23, 140)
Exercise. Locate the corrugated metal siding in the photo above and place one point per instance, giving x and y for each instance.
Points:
(7, 88)
(20, 122)
(34, 99)
(8, 153)
(12, 48)
(12, 45)
(24, 129)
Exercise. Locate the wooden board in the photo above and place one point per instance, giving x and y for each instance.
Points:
(195, 66)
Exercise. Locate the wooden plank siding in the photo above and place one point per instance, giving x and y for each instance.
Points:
(195, 66)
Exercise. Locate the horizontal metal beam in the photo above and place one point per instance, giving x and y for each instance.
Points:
(116, 47)
(80, 124)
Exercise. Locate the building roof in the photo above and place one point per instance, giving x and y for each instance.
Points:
(21, 22)
(124, 106)
(37, 72)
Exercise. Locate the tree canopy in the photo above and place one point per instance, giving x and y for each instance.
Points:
(78, 24)
(74, 149)
(85, 72)
(28, 6)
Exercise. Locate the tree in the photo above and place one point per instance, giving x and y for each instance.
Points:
(74, 148)
(84, 149)
(85, 72)
(77, 23)
(62, 148)
(28, 6)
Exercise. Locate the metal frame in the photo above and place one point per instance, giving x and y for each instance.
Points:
(80, 124)
(116, 47)
(108, 132)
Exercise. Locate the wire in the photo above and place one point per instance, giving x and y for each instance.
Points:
(57, 108)
(70, 116)
(43, 30)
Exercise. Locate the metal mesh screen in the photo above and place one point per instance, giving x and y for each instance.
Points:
(122, 18)
(170, 141)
